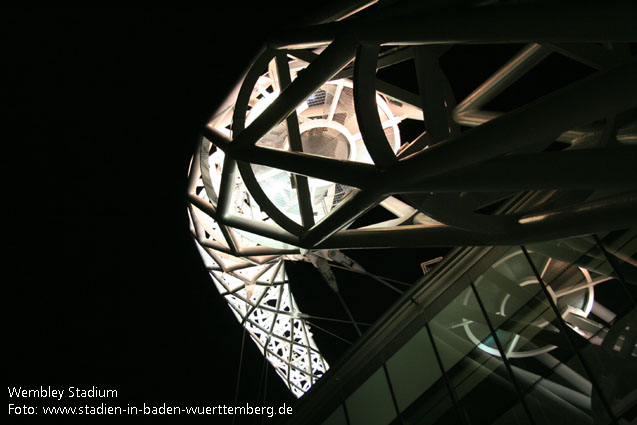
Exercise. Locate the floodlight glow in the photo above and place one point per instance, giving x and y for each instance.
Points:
(256, 288)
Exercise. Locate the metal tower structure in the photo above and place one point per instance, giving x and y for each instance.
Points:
(311, 139)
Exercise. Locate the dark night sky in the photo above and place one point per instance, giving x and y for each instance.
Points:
(108, 289)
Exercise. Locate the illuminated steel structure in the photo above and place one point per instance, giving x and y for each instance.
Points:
(310, 140)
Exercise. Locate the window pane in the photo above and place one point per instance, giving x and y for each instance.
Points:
(337, 417)
(551, 377)
(413, 369)
(371, 403)
(515, 415)
(470, 357)
(433, 407)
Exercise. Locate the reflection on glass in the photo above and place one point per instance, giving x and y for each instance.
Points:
(515, 303)
(569, 339)
(463, 340)
(554, 382)
(600, 312)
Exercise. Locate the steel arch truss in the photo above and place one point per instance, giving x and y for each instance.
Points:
(259, 295)
(310, 141)
(443, 162)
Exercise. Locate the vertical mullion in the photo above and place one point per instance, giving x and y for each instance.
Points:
(346, 414)
(452, 392)
(393, 395)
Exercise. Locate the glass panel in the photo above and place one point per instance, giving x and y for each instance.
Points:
(598, 310)
(413, 369)
(337, 417)
(469, 355)
(371, 403)
(420, 390)
(515, 415)
(621, 246)
(434, 406)
(556, 388)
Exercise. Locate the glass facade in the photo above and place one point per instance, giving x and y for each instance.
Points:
(545, 333)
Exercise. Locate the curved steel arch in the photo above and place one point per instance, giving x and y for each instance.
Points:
(446, 175)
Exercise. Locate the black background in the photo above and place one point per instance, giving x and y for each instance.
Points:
(107, 288)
